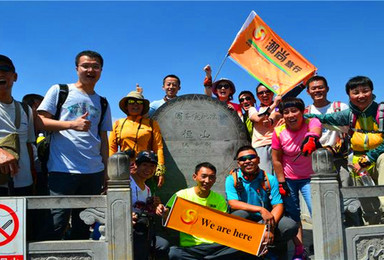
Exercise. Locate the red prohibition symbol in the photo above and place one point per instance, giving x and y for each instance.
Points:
(3, 232)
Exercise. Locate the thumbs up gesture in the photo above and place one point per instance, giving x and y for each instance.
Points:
(82, 123)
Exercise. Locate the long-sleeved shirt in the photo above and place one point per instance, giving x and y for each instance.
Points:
(137, 134)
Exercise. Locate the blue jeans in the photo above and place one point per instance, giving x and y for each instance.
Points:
(292, 203)
(72, 184)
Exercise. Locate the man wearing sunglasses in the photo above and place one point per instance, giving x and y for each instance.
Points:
(79, 143)
(254, 195)
(247, 100)
(264, 117)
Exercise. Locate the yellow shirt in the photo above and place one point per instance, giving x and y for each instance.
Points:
(124, 135)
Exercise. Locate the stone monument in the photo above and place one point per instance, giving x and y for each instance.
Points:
(197, 128)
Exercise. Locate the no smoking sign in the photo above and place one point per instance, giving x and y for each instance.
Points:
(12, 229)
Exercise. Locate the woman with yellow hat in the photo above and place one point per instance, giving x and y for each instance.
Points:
(136, 132)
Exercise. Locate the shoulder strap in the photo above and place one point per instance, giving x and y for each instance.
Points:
(336, 106)
(380, 116)
(234, 176)
(63, 94)
(104, 105)
(121, 129)
(151, 141)
(17, 114)
(352, 123)
(25, 108)
(266, 184)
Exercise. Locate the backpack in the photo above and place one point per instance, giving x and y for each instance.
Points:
(43, 145)
(361, 136)
(238, 183)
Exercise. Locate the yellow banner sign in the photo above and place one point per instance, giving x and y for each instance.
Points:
(214, 225)
(268, 58)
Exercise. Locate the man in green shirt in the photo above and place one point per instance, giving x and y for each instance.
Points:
(192, 247)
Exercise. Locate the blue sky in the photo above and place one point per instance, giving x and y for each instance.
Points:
(141, 42)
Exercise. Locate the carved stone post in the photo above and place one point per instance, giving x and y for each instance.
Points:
(327, 223)
(119, 217)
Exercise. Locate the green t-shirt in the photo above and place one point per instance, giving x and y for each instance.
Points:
(214, 200)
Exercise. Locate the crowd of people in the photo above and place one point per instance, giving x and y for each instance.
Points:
(272, 170)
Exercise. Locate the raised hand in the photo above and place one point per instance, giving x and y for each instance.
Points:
(208, 71)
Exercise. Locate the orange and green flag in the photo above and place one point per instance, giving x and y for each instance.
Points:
(268, 58)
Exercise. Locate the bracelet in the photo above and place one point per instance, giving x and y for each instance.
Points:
(160, 170)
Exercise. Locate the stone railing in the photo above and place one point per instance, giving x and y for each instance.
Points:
(112, 211)
(331, 239)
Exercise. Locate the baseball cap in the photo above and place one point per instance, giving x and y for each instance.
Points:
(8, 61)
(146, 156)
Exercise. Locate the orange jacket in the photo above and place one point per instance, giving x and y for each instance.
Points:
(148, 137)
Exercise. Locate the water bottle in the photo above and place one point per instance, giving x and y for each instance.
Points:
(366, 178)
(40, 138)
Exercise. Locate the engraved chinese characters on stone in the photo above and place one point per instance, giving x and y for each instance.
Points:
(197, 128)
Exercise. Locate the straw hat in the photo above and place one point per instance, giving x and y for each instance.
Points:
(134, 95)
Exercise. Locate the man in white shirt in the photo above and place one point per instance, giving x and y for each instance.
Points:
(317, 88)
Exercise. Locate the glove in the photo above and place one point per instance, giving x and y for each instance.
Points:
(283, 189)
(364, 161)
(310, 144)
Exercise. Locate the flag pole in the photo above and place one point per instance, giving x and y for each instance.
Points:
(222, 63)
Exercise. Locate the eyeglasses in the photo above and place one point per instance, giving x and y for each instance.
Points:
(87, 66)
(245, 98)
(133, 101)
(247, 157)
(6, 68)
(266, 92)
(225, 86)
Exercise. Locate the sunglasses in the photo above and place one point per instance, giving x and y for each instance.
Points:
(6, 68)
(247, 157)
(245, 98)
(225, 86)
(266, 92)
(133, 101)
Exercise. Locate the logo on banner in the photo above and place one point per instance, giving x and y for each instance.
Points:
(189, 216)
(259, 33)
